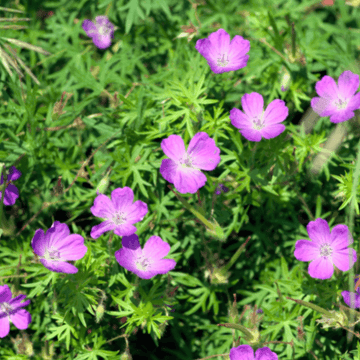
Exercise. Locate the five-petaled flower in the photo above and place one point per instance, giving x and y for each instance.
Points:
(221, 187)
(356, 296)
(246, 352)
(326, 249)
(11, 191)
(338, 102)
(120, 213)
(148, 262)
(256, 123)
(223, 55)
(11, 310)
(183, 167)
(101, 31)
(57, 246)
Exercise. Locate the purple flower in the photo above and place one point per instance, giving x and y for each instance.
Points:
(120, 212)
(326, 249)
(346, 295)
(147, 262)
(246, 352)
(57, 247)
(338, 102)
(259, 311)
(183, 167)
(101, 31)
(221, 187)
(256, 123)
(223, 55)
(11, 310)
(11, 191)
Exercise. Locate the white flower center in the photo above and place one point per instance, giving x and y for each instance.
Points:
(52, 254)
(326, 250)
(258, 123)
(221, 61)
(142, 263)
(341, 104)
(6, 308)
(119, 218)
(186, 162)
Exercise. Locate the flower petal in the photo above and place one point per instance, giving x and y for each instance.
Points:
(168, 170)
(356, 297)
(189, 180)
(251, 134)
(155, 248)
(5, 293)
(122, 199)
(11, 194)
(321, 268)
(38, 242)
(125, 229)
(102, 41)
(239, 119)
(21, 319)
(354, 103)
(327, 88)
(103, 207)
(340, 237)
(276, 112)
(59, 266)
(136, 212)
(14, 174)
(272, 131)
(253, 104)
(173, 147)
(265, 354)
(319, 231)
(72, 247)
(203, 152)
(348, 83)
(342, 259)
(341, 116)
(306, 250)
(4, 326)
(242, 352)
(98, 230)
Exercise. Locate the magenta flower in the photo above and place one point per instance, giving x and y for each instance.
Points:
(11, 310)
(120, 213)
(326, 249)
(101, 31)
(256, 123)
(223, 55)
(148, 262)
(338, 102)
(346, 295)
(246, 352)
(57, 246)
(11, 191)
(183, 167)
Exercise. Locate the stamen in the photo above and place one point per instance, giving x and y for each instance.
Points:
(326, 250)
(221, 61)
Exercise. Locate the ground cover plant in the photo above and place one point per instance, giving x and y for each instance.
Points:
(179, 180)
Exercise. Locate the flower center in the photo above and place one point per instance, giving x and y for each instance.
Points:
(326, 250)
(186, 162)
(221, 60)
(341, 104)
(6, 308)
(142, 263)
(258, 123)
(103, 30)
(52, 254)
(119, 218)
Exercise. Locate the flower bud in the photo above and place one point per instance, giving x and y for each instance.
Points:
(339, 317)
(99, 313)
(103, 185)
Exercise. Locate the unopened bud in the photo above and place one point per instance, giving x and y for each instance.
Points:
(99, 313)
(103, 185)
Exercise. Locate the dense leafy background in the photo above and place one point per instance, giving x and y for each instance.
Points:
(165, 87)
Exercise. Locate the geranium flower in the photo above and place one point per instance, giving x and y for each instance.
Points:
(11, 310)
(101, 31)
(326, 249)
(338, 102)
(57, 246)
(120, 213)
(256, 123)
(246, 352)
(11, 191)
(346, 295)
(148, 262)
(183, 167)
(223, 55)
